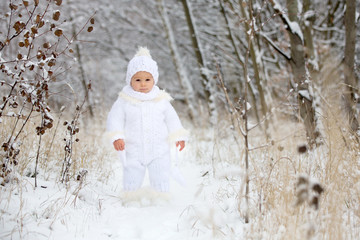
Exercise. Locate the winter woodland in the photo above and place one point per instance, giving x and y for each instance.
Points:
(269, 90)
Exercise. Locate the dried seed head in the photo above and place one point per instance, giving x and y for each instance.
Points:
(37, 19)
(58, 32)
(302, 180)
(41, 24)
(56, 15)
(13, 6)
(302, 149)
(34, 30)
(46, 45)
(315, 202)
(318, 188)
(58, 2)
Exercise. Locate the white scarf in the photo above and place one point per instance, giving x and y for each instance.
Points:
(128, 90)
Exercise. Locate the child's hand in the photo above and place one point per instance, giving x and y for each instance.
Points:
(181, 144)
(119, 145)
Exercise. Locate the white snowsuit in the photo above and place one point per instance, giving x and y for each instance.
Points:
(148, 127)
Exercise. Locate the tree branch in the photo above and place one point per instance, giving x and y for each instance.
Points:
(292, 27)
(281, 52)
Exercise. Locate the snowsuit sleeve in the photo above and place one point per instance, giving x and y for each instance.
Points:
(175, 128)
(116, 121)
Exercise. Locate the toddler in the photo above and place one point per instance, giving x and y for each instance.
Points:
(142, 124)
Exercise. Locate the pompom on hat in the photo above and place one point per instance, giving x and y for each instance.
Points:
(142, 61)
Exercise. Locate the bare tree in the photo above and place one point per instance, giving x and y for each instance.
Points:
(257, 63)
(180, 69)
(332, 17)
(206, 82)
(240, 110)
(82, 72)
(309, 17)
(32, 54)
(301, 79)
(238, 54)
(349, 61)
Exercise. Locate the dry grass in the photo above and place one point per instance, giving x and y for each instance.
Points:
(89, 153)
(274, 172)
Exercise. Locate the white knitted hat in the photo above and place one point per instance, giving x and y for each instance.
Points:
(142, 61)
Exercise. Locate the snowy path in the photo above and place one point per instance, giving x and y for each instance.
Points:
(144, 219)
(96, 211)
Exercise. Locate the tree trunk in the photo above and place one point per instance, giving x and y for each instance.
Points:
(238, 54)
(180, 69)
(201, 61)
(297, 62)
(308, 36)
(349, 60)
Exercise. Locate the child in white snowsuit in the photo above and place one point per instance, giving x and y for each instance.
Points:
(143, 123)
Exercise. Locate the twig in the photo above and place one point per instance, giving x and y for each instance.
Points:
(37, 160)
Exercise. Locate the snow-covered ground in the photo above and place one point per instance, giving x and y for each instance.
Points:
(99, 210)
(211, 205)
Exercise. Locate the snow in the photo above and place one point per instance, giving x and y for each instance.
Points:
(309, 14)
(11, 114)
(210, 206)
(100, 210)
(294, 26)
(300, 6)
(248, 78)
(305, 94)
(248, 106)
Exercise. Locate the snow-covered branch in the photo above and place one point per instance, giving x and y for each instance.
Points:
(293, 27)
(281, 52)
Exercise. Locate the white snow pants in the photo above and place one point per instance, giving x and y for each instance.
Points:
(158, 169)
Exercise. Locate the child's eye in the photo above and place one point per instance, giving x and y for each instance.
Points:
(138, 80)
(147, 79)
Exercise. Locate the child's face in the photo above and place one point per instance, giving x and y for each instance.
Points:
(142, 82)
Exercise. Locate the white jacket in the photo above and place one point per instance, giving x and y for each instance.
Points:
(147, 126)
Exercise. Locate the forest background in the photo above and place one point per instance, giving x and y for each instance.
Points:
(259, 72)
